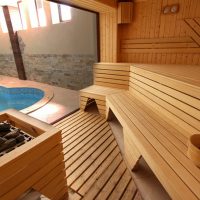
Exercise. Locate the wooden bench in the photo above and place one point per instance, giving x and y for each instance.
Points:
(109, 78)
(158, 114)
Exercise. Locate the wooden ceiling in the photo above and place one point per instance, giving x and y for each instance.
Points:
(112, 3)
(98, 6)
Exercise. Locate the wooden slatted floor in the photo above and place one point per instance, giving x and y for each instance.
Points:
(94, 165)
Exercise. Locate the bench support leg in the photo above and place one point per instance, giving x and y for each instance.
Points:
(85, 101)
(131, 152)
(101, 109)
(109, 114)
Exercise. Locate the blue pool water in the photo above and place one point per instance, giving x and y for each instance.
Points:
(19, 98)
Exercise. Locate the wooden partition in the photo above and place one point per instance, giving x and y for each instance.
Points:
(38, 164)
(154, 37)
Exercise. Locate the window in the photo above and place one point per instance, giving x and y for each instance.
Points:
(3, 21)
(37, 13)
(17, 16)
(60, 13)
(22, 8)
(41, 13)
(65, 13)
(54, 13)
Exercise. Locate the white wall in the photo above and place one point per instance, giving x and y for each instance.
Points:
(61, 54)
(5, 46)
(75, 37)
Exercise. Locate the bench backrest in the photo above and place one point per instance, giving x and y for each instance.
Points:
(178, 101)
(115, 75)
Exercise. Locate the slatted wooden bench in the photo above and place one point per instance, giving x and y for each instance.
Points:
(109, 78)
(158, 114)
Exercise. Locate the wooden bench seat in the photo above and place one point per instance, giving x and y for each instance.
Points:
(158, 114)
(98, 94)
(108, 79)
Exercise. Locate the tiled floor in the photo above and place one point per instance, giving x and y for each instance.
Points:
(63, 103)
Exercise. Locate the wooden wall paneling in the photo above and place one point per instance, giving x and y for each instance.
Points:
(150, 23)
(173, 58)
(138, 25)
(102, 35)
(152, 19)
(169, 21)
(125, 12)
(183, 13)
(178, 20)
(157, 19)
(110, 31)
(175, 24)
(114, 36)
(175, 21)
(108, 36)
(143, 20)
(112, 3)
(149, 19)
(163, 24)
(196, 10)
(193, 9)
(195, 59)
(162, 20)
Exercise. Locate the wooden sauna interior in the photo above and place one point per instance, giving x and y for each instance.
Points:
(146, 91)
(151, 36)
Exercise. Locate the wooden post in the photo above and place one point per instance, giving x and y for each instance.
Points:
(15, 45)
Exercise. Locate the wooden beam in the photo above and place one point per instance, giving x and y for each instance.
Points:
(15, 45)
(71, 4)
(111, 3)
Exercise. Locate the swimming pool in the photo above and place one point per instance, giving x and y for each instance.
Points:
(19, 97)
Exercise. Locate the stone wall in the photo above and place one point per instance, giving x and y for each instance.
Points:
(68, 71)
(7, 65)
(59, 54)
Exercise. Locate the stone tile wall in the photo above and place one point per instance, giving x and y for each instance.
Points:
(67, 71)
(7, 65)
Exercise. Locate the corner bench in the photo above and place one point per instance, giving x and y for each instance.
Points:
(158, 114)
(109, 78)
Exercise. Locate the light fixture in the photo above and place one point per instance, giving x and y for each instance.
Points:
(175, 8)
(166, 10)
(12, 3)
(171, 9)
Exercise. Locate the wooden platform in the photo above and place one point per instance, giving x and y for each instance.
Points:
(94, 165)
